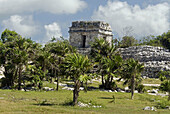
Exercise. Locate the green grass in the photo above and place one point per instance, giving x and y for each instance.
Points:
(151, 81)
(12, 101)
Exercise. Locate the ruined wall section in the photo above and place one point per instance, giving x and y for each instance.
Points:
(154, 58)
(89, 29)
(76, 39)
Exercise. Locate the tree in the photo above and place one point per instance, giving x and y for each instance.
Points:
(161, 40)
(131, 72)
(165, 86)
(165, 39)
(127, 41)
(16, 55)
(77, 66)
(107, 59)
(58, 52)
(7, 45)
(110, 67)
(164, 76)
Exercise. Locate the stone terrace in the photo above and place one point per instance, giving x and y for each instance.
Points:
(154, 58)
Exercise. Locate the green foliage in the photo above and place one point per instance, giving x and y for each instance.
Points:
(107, 59)
(165, 39)
(163, 75)
(77, 66)
(140, 88)
(127, 41)
(161, 40)
(162, 104)
(131, 72)
(165, 85)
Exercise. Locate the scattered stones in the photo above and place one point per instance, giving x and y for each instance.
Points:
(61, 84)
(136, 91)
(126, 88)
(152, 94)
(154, 91)
(48, 89)
(167, 107)
(154, 85)
(81, 88)
(68, 88)
(149, 108)
(80, 104)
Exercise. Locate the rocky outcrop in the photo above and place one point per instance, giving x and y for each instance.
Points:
(154, 58)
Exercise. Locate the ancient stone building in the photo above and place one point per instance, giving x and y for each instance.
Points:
(84, 32)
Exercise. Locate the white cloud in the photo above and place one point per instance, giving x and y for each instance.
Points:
(154, 19)
(52, 30)
(11, 7)
(22, 25)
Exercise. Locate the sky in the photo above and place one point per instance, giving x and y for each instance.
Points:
(41, 20)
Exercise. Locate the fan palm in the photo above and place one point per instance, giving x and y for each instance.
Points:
(165, 86)
(131, 72)
(77, 66)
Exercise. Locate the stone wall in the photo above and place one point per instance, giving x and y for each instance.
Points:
(76, 39)
(89, 29)
(154, 58)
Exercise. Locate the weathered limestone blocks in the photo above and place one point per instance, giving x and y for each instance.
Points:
(84, 32)
(154, 58)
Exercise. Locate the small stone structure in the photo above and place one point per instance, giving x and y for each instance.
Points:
(84, 32)
(154, 58)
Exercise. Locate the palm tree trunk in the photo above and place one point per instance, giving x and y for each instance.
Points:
(107, 83)
(102, 80)
(132, 86)
(76, 92)
(55, 75)
(57, 82)
(19, 79)
(58, 75)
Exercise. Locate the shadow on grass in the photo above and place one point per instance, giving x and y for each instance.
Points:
(46, 104)
(105, 98)
(67, 103)
(91, 88)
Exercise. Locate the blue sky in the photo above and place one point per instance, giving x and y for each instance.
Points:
(43, 19)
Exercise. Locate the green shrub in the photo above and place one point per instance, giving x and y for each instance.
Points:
(162, 104)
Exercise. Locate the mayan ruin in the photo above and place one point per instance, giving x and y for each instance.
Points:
(154, 58)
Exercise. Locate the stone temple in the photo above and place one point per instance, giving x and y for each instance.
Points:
(84, 32)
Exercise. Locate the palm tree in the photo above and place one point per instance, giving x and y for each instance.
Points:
(58, 52)
(165, 86)
(16, 55)
(110, 67)
(131, 72)
(77, 66)
(105, 54)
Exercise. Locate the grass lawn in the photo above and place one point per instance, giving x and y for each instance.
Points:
(13, 101)
(151, 81)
